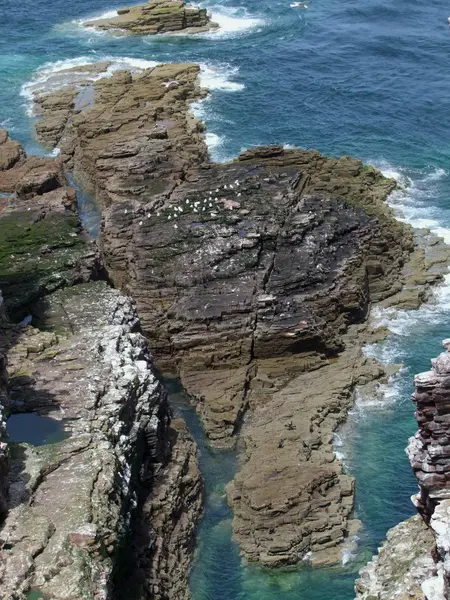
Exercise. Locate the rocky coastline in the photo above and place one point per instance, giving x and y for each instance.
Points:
(157, 17)
(428, 452)
(253, 281)
(70, 505)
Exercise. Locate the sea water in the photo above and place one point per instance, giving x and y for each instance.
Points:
(369, 79)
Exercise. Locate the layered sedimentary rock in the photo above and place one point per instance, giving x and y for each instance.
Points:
(42, 244)
(73, 502)
(157, 16)
(247, 277)
(414, 562)
(163, 556)
(429, 454)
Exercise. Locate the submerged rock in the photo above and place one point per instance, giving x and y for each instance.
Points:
(157, 16)
(250, 279)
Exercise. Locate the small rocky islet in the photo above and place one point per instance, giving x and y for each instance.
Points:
(252, 281)
(157, 17)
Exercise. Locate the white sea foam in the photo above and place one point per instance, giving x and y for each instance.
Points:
(411, 204)
(97, 17)
(55, 75)
(349, 550)
(233, 21)
(219, 77)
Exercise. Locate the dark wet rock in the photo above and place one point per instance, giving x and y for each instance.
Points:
(250, 279)
(157, 16)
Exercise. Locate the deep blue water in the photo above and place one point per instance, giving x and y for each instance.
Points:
(370, 79)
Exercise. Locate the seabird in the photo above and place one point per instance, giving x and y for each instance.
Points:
(167, 83)
(175, 226)
(140, 222)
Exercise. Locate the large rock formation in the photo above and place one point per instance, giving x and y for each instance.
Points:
(157, 16)
(71, 501)
(247, 277)
(42, 244)
(116, 461)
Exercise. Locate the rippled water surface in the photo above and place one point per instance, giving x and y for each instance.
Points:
(369, 78)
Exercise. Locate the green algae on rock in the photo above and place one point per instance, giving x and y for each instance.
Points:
(42, 244)
(156, 17)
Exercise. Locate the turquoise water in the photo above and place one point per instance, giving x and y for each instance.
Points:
(369, 79)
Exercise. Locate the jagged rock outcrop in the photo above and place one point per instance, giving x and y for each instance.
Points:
(42, 244)
(72, 503)
(402, 564)
(163, 558)
(429, 454)
(414, 562)
(247, 277)
(73, 500)
(157, 16)
(4, 452)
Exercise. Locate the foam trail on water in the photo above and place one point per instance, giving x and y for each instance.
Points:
(97, 17)
(217, 78)
(411, 205)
